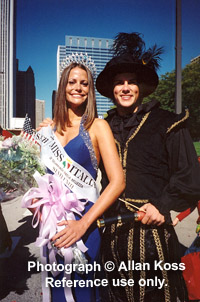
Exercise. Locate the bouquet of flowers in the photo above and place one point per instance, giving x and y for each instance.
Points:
(19, 159)
(55, 203)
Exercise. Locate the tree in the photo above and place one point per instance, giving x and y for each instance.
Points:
(191, 96)
(165, 94)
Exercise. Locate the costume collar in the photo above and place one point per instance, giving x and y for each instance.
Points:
(118, 122)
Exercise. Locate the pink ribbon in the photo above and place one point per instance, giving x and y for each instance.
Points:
(55, 203)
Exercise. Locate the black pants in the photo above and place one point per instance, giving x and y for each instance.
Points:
(5, 239)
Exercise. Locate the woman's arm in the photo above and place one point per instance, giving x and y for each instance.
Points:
(108, 151)
(185, 213)
(113, 168)
(181, 216)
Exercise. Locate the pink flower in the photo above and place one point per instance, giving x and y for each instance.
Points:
(7, 143)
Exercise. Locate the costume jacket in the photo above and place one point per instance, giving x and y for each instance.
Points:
(160, 166)
(158, 157)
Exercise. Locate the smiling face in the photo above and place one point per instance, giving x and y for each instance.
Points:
(77, 87)
(126, 91)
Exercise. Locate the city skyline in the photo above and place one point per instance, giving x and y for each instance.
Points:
(43, 25)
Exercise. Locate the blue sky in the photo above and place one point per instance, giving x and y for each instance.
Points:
(43, 24)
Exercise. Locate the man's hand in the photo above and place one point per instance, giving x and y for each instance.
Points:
(152, 215)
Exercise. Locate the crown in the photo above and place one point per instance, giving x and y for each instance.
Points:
(80, 58)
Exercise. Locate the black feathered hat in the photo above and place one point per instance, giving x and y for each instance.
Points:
(130, 55)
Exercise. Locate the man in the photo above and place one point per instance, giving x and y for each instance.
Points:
(162, 174)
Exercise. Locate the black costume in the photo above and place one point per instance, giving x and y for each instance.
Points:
(160, 167)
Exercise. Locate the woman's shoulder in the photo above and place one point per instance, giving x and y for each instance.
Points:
(99, 126)
(99, 122)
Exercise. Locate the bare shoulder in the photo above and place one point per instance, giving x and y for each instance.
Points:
(100, 124)
(101, 131)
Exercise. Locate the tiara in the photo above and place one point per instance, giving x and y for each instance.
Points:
(80, 58)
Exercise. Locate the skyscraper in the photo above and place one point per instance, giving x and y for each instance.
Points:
(25, 94)
(7, 61)
(98, 49)
(39, 111)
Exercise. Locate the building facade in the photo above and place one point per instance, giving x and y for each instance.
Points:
(53, 101)
(98, 49)
(39, 112)
(7, 62)
(195, 60)
(25, 94)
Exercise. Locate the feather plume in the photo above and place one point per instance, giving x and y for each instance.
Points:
(125, 43)
(152, 56)
(133, 44)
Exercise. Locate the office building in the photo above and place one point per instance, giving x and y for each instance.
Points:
(195, 60)
(25, 94)
(7, 62)
(53, 101)
(39, 111)
(98, 49)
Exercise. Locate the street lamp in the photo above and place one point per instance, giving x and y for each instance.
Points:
(178, 98)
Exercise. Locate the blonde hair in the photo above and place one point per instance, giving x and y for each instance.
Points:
(61, 117)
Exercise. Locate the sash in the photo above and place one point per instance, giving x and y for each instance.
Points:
(73, 175)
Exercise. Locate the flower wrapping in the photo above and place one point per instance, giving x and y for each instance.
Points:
(55, 202)
(19, 159)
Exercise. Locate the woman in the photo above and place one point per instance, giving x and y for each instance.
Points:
(86, 139)
(161, 172)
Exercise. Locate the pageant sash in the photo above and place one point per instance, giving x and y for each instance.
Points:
(74, 176)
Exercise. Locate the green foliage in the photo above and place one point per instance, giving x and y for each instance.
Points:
(191, 96)
(111, 107)
(197, 147)
(165, 94)
(19, 159)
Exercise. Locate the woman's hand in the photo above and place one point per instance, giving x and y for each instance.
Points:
(73, 231)
(45, 123)
(152, 215)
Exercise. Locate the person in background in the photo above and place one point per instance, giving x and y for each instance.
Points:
(5, 238)
(161, 171)
(185, 213)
